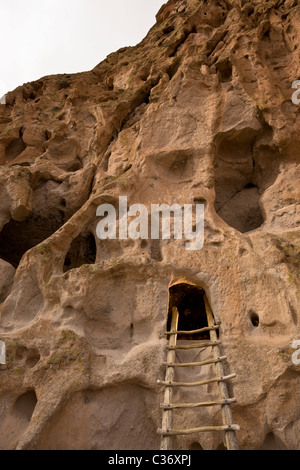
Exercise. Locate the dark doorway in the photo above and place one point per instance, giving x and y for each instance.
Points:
(189, 300)
(82, 251)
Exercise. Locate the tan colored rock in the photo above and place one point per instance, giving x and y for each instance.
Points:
(199, 112)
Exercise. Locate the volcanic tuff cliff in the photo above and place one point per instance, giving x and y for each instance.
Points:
(199, 111)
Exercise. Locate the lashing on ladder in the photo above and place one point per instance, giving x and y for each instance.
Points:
(167, 432)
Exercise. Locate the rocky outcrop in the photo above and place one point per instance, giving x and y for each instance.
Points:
(199, 112)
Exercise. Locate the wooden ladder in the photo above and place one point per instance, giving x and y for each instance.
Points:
(167, 432)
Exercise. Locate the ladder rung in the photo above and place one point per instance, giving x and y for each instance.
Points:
(166, 406)
(174, 432)
(192, 332)
(201, 344)
(192, 364)
(194, 384)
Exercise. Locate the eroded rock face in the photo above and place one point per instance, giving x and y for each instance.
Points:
(199, 111)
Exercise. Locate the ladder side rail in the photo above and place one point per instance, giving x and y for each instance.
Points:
(167, 418)
(230, 436)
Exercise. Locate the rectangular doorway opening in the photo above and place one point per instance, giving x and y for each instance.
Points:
(189, 300)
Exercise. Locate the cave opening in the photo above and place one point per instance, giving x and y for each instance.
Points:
(25, 404)
(18, 237)
(254, 318)
(239, 181)
(196, 446)
(15, 147)
(189, 299)
(273, 442)
(242, 211)
(82, 251)
(224, 68)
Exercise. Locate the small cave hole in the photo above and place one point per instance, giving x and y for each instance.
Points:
(172, 69)
(225, 71)
(18, 237)
(77, 165)
(242, 211)
(254, 318)
(273, 442)
(196, 446)
(266, 34)
(82, 251)
(15, 148)
(168, 29)
(48, 135)
(25, 404)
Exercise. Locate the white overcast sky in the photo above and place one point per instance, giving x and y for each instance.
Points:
(45, 37)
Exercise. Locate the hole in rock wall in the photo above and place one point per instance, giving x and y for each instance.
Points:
(16, 147)
(24, 405)
(75, 166)
(18, 237)
(273, 442)
(254, 318)
(168, 29)
(196, 446)
(192, 314)
(16, 413)
(224, 68)
(239, 181)
(82, 251)
(243, 211)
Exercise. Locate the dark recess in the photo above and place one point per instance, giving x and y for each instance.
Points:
(25, 404)
(192, 314)
(18, 237)
(82, 251)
